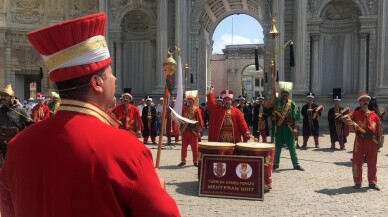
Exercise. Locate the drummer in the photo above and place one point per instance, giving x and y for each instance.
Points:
(310, 112)
(229, 124)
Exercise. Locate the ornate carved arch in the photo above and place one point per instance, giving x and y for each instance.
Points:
(317, 6)
(124, 12)
(209, 13)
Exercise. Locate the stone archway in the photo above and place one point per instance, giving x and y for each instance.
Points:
(339, 48)
(139, 47)
(132, 37)
(205, 16)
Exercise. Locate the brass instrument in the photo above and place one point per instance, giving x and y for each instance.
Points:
(260, 122)
(149, 117)
(317, 110)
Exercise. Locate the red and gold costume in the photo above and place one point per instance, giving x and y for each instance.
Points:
(40, 112)
(366, 144)
(76, 175)
(191, 132)
(130, 118)
(172, 128)
(227, 125)
(85, 165)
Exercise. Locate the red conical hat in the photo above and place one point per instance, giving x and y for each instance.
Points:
(73, 48)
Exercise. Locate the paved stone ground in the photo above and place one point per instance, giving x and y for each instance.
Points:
(324, 189)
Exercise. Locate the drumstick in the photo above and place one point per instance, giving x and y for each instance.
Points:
(254, 139)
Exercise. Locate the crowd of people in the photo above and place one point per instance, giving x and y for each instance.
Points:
(94, 162)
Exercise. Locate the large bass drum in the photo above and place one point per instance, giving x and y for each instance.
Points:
(217, 148)
(265, 150)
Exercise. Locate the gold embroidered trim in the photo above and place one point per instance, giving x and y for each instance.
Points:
(284, 114)
(75, 51)
(87, 108)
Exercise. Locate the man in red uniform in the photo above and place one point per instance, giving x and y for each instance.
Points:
(369, 136)
(128, 115)
(191, 132)
(172, 129)
(40, 111)
(88, 167)
(228, 123)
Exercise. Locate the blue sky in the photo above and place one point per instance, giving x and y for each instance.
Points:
(246, 30)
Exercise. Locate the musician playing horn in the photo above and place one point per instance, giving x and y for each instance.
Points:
(311, 112)
(260, 120)
(338, 130)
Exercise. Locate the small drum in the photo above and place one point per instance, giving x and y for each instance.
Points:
(218, 148)
(262, 150)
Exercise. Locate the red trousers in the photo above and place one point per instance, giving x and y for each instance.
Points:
(364, 147)
(262, 134)
(188, 137)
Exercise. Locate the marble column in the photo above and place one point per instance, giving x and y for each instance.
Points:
(162, 41)
(315, 74)
(3, 61)
(300, 77)
(119, 66)
(278, 10)
(362, 62)
(382, 46)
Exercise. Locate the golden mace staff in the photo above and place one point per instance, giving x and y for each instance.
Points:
(169, 68)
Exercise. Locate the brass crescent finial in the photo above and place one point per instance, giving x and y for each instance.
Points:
(171, 53)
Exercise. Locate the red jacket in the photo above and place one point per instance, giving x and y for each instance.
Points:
(217, 114)
(37, 115)
(197, 116)
(81, 166)
(132, 121)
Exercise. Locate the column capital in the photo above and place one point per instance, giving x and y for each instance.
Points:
(315, 36)
(363, 35)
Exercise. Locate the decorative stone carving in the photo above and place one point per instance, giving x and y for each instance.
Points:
(150, 3)
(341, 11)
(136, 21)
(2, 4)
(56, 7)
(311, 5)
(27, 11)
(362, 35)
(211, 2)
(315, 36)
(84, 7)
(220, 12)
(3, 39)
(217, 6)
(26, 56)
(236, 6)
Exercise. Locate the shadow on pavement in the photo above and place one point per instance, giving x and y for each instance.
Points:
(326, 150)
(347, 164)
(170, 167)
(280, 170)
(343, 190)
(187, 188)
